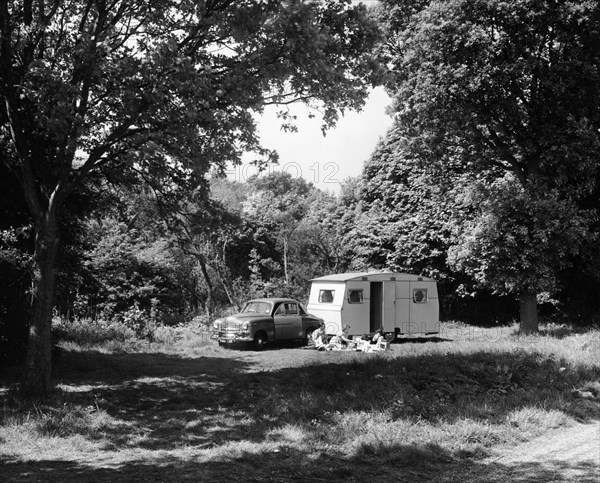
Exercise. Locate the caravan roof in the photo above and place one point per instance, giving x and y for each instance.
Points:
(375, 276)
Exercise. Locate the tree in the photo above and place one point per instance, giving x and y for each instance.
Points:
(279, 202)
(130, 265)
(405, 204)
(500, 245)
(15, 249)
(204, 231)
(288, 230)
(512, 87)
(320, 233)
(165, 89)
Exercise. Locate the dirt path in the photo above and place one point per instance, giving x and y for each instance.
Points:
(565, 454)
(569, 445)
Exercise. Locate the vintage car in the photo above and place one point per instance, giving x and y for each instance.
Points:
(266, 320)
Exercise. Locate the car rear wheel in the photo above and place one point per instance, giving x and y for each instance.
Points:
(260, 339)
(308, 336)
(390, 336)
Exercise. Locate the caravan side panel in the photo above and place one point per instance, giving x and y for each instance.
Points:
(325, 301)
(424, 307)
(403, 306)
(417, 307)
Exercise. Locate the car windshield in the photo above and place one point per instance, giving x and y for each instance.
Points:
(258, 307)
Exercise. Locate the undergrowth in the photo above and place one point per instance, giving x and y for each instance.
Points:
(112, 335)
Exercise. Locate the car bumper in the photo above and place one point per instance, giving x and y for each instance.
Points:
(231, 338)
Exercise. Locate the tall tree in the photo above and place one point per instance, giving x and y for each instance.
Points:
(279, 202)
(402, 223)
(513, 86)
(517, 241)
(160, 87)
(320, 234)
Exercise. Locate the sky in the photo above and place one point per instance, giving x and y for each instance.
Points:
(324, 161)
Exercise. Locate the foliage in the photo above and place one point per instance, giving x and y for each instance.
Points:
(488, 180)
(320, 242)
(15, 260)
(131, 272)
(405, 204)
(132, 332)
(509, 230)
(158, 89)
(505, 87)
(278, 203)
(88, 332)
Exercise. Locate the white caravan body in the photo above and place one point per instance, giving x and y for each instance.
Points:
(398, 303)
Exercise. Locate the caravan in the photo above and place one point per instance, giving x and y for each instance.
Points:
(396, 303)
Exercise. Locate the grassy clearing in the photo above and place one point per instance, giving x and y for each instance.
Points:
(182, 408)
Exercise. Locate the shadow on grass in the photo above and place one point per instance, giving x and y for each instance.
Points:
(160, 402)
(401, 463)
(419, 340)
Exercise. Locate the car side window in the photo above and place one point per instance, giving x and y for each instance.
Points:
(280, 310)
(292, 309)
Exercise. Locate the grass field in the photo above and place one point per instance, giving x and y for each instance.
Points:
(187, 410)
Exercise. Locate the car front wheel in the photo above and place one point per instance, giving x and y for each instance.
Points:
(260, 339)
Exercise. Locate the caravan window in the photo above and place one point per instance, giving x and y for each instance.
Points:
(355, 296)
(420, 295)
(326, 296)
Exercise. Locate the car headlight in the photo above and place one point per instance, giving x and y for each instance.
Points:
(245, 325)
(217, 323)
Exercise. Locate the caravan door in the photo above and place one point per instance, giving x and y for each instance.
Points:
(389, 306)
(382, 313)
(356, 307)
(376, 307)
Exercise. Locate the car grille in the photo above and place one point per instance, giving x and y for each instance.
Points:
(230, 328)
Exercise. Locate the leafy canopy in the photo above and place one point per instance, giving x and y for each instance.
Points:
(162, 87)
(511, 91)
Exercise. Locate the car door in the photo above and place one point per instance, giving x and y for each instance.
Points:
(280, 322)
(288, 323)
(294, 320)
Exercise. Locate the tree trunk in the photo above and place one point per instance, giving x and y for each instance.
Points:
(225, 277)
(226, 287)
(285, 261)
(39, 351)
(209, 287)
(528, 312)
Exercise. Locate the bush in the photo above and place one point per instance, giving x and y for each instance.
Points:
(87, 332)
(133, 332)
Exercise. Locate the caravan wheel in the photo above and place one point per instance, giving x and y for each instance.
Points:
(390, 336)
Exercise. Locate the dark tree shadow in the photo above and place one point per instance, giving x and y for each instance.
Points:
(419, 340)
